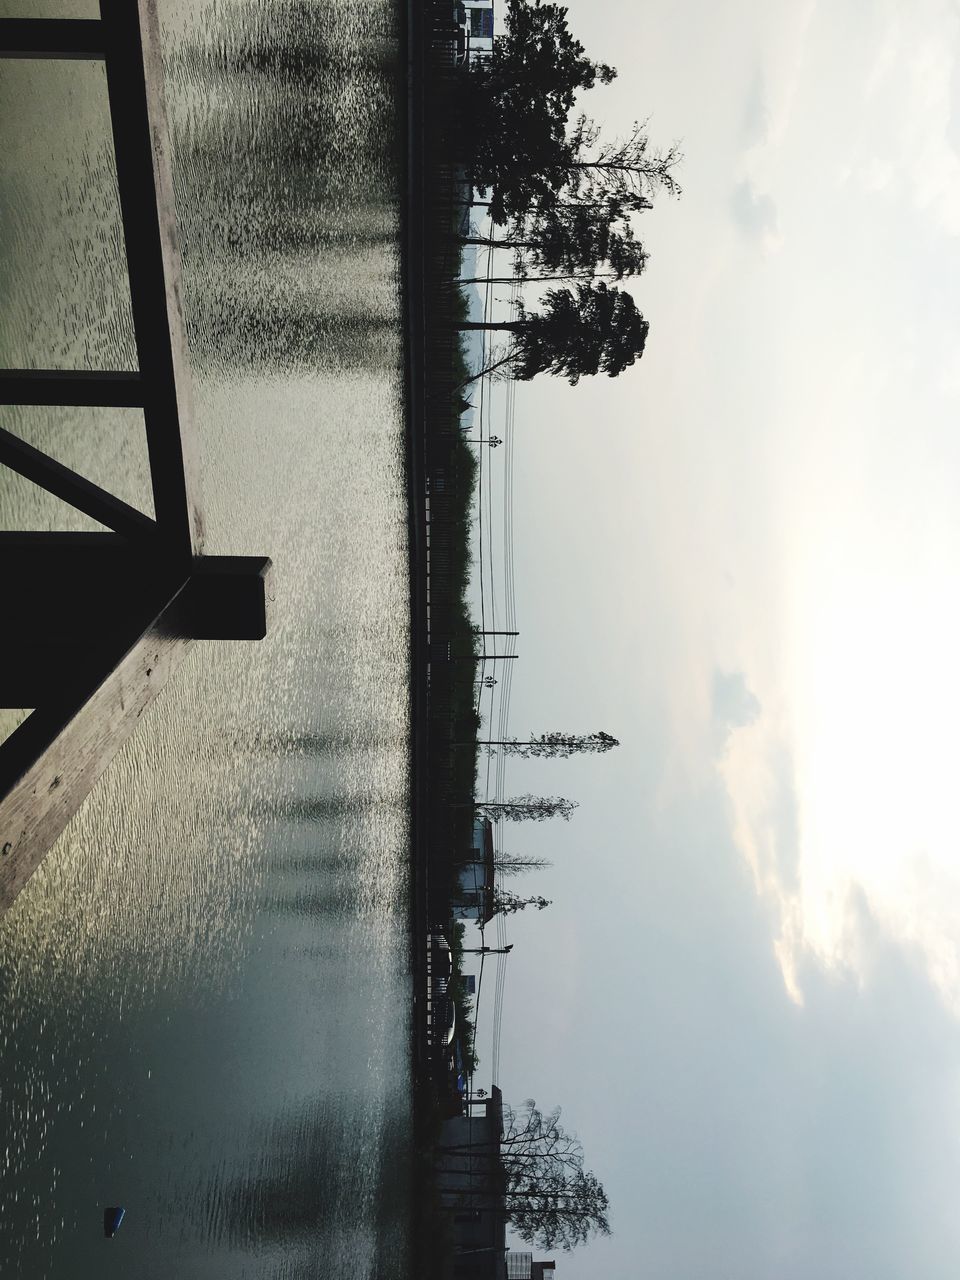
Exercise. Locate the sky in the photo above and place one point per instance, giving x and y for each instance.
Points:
(742, 559)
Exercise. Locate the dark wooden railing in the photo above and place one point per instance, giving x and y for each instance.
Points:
(103, 619)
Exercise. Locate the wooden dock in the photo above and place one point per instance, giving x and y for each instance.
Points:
(103, 619)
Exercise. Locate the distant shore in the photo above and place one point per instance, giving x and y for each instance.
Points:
(412, 245)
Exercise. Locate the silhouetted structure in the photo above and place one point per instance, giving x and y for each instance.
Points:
(472, 1190)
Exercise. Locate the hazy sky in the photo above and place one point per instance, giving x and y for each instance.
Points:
(742, 558)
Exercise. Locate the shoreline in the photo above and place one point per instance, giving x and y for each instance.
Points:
(412, 310)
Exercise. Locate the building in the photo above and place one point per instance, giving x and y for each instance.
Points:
(472, 1190)
(521, 1266)
(473, 896)
(478, 25)
(471, 1187)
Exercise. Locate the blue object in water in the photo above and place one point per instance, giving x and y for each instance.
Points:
(112, 1217)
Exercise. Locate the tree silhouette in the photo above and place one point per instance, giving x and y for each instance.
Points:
(519, 101)
(522, 808)
(553, 1210)
(520, 148)
(506, 903)
(530, 1134)
(595, 329)
(554, 745)
(515, 864)
(550, 1199)
(576, 241)
(623, 169)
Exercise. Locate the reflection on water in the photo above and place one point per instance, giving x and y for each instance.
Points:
(313, 197)
(203, 992)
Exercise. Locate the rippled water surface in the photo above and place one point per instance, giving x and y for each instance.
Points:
(204, 991)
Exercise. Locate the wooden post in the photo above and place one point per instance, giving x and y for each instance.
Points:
(142, 148)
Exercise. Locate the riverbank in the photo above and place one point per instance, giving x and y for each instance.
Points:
(441, 473)
(412, 240)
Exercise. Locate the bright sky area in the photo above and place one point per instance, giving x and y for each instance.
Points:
(742, 559)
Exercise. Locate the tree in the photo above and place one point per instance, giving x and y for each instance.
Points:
(554, 745)
(520, 276)
(551, 1200)
(530, 1134)
(610, 240)
(506, 903)
(519, 101)
(596, 329)
(520, 808)
(574, 241)
(556, 1210)
(515, 864)
(521, 150)
(623, 168)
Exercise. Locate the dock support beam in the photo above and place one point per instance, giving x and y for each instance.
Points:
(98, 643)
(96, 623)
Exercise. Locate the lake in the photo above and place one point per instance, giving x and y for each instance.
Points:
(205, 990)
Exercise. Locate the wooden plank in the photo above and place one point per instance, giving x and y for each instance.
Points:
(102, 388)
(142, 149)
(50, 763)
(74, 488)
(51, 38)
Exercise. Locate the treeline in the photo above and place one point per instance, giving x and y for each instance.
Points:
(563, 200)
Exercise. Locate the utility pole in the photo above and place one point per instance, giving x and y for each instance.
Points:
(440, 638)
(488, 951)
(480, 657)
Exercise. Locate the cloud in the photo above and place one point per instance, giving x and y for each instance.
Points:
(776, 1140)
(757, 768)
(911, 88)
(767, 113)
(734, 706)
(755, 212)
(756, 113)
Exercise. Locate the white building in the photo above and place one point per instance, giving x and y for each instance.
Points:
(478, 25)
(521, 1266)
(474, 894)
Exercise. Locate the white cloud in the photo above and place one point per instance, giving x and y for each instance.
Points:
(909, 86)
(843, 788)
(756, 214)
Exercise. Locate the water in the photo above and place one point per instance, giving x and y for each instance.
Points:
(204, 991)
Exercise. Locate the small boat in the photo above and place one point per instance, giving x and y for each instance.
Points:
(112, 1217)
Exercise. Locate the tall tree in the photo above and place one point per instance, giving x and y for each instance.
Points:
(523, 808)
(554, 745)
(554, 1210)
(551, 1200)
(574, 241)
(532, 1134)
(520, 148)
(519, 101)
(516, 864)
(626, 169)
(506, 903)
(595, 329)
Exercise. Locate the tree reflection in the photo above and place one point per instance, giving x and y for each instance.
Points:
(308, 108)
(334, 1179)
